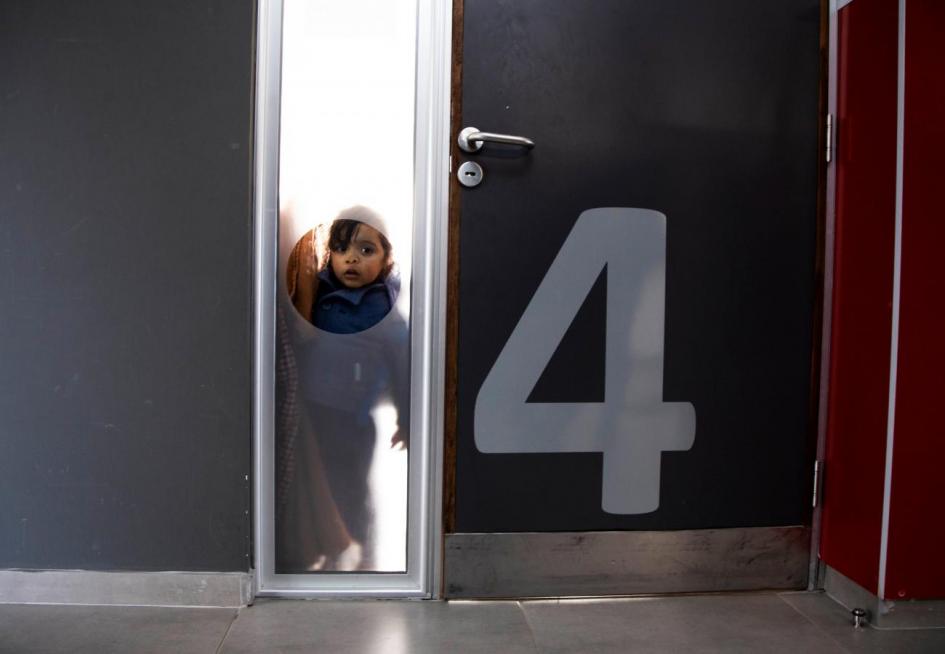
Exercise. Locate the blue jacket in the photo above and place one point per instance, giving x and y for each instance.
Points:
(352, 367)
(342, 310)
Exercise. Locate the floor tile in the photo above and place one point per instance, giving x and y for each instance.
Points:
(387, 627)
(835, 620)
(36, 629)
(794, 623)
(708, 623)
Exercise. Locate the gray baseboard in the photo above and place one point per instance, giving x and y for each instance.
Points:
(884, 614)
(625, 562)
(199, 589)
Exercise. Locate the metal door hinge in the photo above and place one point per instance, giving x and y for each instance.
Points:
(829, 139)
(818, 474)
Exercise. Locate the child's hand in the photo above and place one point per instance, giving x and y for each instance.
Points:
(398, 441)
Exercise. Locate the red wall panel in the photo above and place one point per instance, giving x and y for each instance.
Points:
(916, 556)
(863, 279)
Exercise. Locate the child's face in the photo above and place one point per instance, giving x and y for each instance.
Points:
(363, 261)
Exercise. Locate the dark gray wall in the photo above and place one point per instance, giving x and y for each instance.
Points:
(125, 284)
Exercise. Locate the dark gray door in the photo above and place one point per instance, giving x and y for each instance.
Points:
(685, 303)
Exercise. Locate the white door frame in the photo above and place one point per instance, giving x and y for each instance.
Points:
(428, 316)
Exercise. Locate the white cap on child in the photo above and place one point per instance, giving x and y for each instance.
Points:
(365, 215)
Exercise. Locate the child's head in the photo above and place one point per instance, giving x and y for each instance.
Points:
(359, 252)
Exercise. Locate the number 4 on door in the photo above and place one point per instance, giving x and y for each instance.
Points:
(633, 426)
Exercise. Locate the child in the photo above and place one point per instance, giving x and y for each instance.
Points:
(362, 357)
(355, 286)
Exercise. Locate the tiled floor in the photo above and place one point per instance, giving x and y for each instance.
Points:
(795, 623)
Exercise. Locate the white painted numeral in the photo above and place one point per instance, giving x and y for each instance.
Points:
(633, 426)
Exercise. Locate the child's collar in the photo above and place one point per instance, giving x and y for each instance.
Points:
(337, 289)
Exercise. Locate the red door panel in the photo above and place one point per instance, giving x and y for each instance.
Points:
(916, 567)
(863, 278)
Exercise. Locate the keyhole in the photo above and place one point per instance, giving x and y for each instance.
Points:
(469, 174)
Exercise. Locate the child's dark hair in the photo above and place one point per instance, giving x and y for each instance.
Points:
(339, 238)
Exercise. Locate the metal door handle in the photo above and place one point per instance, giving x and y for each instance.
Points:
(471, 139)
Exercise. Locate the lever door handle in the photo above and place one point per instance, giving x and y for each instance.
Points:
(471, 139)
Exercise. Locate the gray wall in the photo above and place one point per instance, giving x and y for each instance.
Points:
(125, 284)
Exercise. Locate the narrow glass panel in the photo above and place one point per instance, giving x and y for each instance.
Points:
(343, 299)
